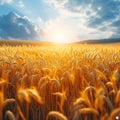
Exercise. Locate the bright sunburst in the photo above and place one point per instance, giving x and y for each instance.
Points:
(59, 35)
(60, 38)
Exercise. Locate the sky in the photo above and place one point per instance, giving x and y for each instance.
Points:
(59, 20)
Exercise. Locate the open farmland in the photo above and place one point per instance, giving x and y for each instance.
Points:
(60, 82)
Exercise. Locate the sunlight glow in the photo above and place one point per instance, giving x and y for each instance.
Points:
(60, 38)
(58, 33)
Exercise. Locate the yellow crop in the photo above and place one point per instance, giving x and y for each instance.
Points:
(66, 82)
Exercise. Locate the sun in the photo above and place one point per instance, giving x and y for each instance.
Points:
(59, 34)
(60, 37)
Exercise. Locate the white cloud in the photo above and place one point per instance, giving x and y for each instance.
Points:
(20, 4)
(78, 11)
(85, 20)
(27, 30)
(71, 23)
(5, 1)
(39, 20)
(26, 18)
(57, 3)
(74, 29)
(18, 27)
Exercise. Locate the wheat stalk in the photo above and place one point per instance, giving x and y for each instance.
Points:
(57, 115)
(9, 115)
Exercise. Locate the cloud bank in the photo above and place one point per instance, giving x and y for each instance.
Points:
(13, 26)
(5, 1)
(92, 19)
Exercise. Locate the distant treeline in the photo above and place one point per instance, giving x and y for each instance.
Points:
(28, 42)
(22, 42)
(101, 41)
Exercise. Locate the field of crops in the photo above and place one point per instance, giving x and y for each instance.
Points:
(69, 82)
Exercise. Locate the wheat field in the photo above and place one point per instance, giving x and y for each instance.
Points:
(69, 82)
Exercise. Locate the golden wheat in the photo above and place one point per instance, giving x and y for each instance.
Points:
(66, 82)
(9, 115)
(57, 115)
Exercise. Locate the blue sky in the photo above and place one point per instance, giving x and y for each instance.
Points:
(59, 20)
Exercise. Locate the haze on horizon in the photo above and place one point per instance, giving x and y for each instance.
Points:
(59, 20)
